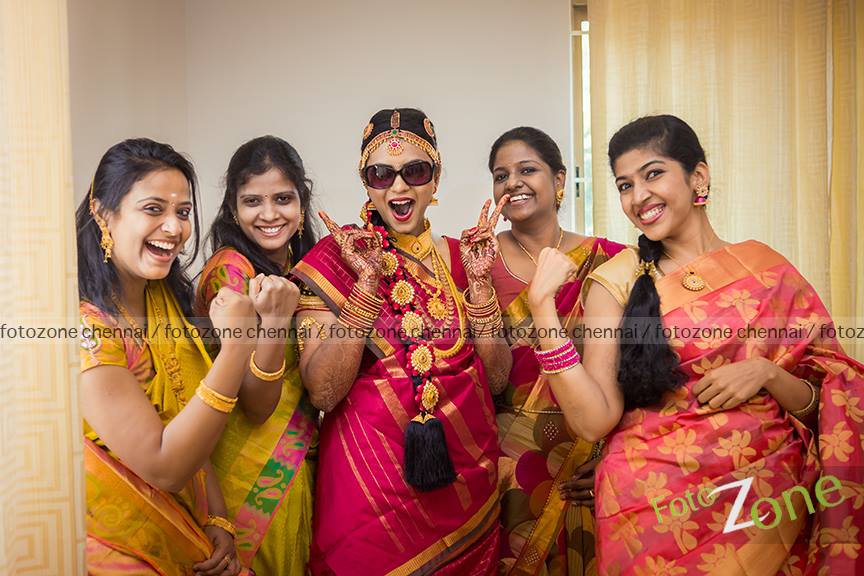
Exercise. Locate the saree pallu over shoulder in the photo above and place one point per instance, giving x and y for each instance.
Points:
(262, 468)
(542, 533)
(130, 522)
(654, 514)
(367, 515)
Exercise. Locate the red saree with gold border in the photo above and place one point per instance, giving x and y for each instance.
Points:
(367, 518)
(542, 534)
(662, 454)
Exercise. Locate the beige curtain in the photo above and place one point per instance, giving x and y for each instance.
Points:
(41, 493)
(755, 81)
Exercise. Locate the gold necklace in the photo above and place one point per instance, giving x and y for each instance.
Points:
(138, 333)
(557, 246)
(418, 246)
(691, 281)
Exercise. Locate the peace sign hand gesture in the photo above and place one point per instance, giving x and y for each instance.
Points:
(478, 246)
(360, 249)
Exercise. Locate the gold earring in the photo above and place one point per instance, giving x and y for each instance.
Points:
(302, 222)
(235, 219)
(559, 197)
(434, 201)
(106, 242)
(701, 198)
(368, 207)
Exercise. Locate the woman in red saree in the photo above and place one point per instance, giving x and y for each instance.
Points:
(407, 477)
(735, 445)
(539, 454)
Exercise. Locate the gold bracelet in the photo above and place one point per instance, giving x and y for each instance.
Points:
(811, 407)
(214, 399)
(265, 376)
(222, 523)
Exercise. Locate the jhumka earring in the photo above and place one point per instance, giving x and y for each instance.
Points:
(559, 197)
(701, 198)
(366, 211)
(107, 242)
(434, 201)
(302, 222)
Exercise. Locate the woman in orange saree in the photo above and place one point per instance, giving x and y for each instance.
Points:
(407, 477)
(539, 454)
(735, 445)
(154, 404)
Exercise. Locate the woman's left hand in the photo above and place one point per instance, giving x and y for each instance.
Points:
(579, 488)
(733, 384)
(223, 561)
(478, 246)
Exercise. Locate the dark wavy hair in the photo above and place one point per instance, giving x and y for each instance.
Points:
(411, 120)
(538, 140)
(120, 168)
(256, 157)
(648, 367)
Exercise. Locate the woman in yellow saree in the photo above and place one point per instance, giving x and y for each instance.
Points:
(263, 460)
(539, 454)
(735, 444)
(153, 403)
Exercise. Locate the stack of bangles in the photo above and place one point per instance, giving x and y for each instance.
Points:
(559, 359)
(485, 318)
(214, 399)
(265, 376)
(360, 310)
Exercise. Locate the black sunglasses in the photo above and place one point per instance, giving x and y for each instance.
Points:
(382, 176)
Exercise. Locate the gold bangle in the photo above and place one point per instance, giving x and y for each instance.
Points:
(265, 376)
(222, 523)
(214, 399)
(811, 406)
(485, 309)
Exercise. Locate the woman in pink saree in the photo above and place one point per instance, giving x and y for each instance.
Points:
(735, 431)
(540, 459)
(407, 477)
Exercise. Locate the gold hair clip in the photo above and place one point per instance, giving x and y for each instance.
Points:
(647, 268)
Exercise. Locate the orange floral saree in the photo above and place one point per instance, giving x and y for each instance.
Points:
(654, 512)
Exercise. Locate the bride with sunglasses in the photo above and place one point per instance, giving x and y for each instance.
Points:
(408, 454)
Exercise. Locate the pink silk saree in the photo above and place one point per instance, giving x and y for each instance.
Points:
(367, 518)
(673, 455)
(542, 534)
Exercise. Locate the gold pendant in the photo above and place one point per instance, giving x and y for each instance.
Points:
(429, 397)
(693, 282)
(412, 325)
(436, 308)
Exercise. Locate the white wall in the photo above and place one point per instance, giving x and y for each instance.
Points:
(127, 77)
(314, 72)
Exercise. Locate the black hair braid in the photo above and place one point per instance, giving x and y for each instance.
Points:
(648, 367)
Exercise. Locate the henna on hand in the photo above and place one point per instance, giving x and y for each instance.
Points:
(360, 249)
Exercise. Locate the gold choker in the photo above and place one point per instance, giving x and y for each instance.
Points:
(417, 246)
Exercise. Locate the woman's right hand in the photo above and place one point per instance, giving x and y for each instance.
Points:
(233, 317)
(554, 268)
(275, 299)
(360, 249)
